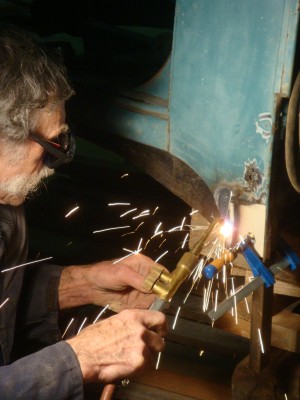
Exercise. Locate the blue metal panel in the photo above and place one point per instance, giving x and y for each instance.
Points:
(224, 76)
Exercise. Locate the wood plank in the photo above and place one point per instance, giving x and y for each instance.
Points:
(184, 377)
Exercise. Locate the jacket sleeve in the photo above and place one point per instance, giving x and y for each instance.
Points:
(37, 319)
(51, 373)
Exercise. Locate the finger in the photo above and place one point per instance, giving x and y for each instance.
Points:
(154, 341)
(156, 321)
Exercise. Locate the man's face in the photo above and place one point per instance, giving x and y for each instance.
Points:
(22, 170)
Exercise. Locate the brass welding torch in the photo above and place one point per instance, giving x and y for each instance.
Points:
(165, 284)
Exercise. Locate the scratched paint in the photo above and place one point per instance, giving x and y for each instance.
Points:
(264, 126)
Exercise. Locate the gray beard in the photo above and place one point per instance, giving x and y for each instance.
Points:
(16, 190)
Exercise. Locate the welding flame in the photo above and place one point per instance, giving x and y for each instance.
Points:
(226, 229)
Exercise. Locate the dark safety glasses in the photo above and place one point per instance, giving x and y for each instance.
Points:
(59, 150)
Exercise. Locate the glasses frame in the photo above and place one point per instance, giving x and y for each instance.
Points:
(54, 156)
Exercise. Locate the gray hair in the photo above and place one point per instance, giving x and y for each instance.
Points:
(29, 80)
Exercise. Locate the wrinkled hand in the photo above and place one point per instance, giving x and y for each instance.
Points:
(121, 285)
(118, 284)
(120, 346)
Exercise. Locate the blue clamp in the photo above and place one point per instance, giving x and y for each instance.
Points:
(257, 267)
(210, 271)
(289, 254)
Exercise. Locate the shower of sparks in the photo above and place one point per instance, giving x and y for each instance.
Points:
(176, 317)
(123, 176)
(156, 208)
(158, 360)
(182, 223)
(24, 265)
(111, 229)
(196, 276)
(184, 240)
(81, 326)
(260, 341)
(72, 211)
(193, 212)
(69, 324)
(118, 204)
(5, 301)
(161, 256)
(101, 313)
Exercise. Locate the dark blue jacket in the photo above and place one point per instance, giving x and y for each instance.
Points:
(29, 323)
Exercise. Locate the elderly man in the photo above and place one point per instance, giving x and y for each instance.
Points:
(34, 139)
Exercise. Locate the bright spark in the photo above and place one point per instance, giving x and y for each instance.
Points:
(156, 208)
(139, 226)
(139, 249)
(216, 300)
(162, 242)
(182, 223)
(235, 310)
(128, 212)
(176, 228)
(242, 239)
(260, 340)
(69, 324)
(176, 317)
(111, 229)
(193, 212)
(5, 301)
(142, 214)
(123, 176)
(71, 211)
(247, 305)
(161, 256)
(157, 234)
(128, 255)
(157, 227)
(118, 204)
(158, 360)
(101, 313)
(201, 353)
(184, 240)
(24, 265)
(81, 326)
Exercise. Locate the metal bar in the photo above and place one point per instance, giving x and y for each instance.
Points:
(245, 291)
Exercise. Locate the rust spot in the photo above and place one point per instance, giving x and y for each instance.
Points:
(252, 176)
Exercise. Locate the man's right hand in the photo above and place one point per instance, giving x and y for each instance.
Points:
(120, 346)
